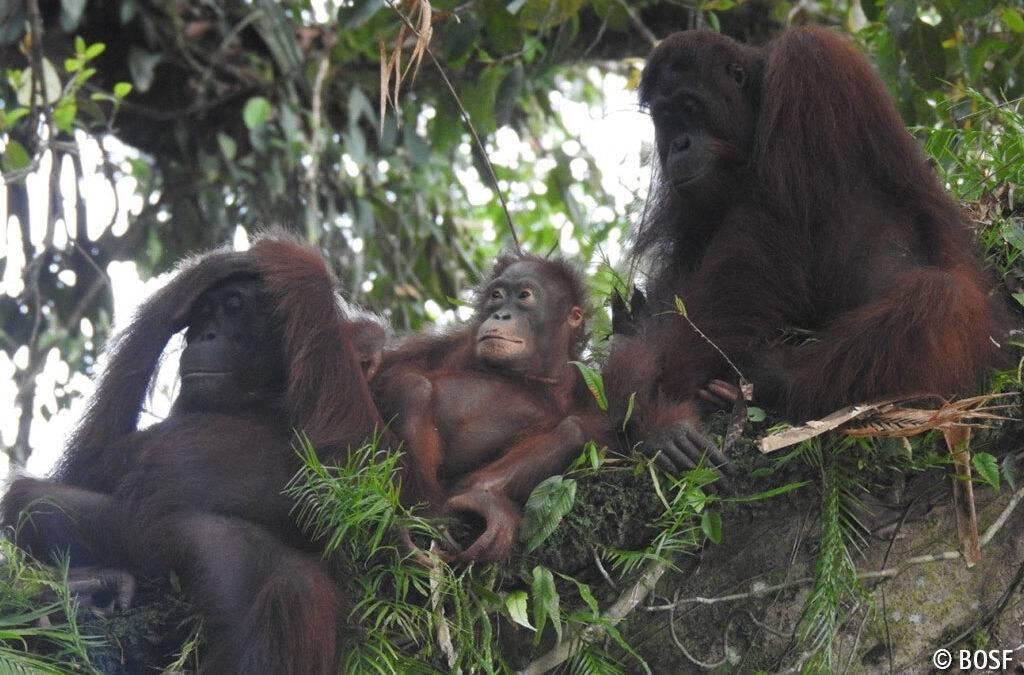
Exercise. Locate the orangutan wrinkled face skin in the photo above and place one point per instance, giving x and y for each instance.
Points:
(520, 310)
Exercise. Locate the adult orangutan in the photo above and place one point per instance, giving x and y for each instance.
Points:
(487, 412)
(790, 198)
(269, 349)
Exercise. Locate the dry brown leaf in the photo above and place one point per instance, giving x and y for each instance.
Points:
(895, 419)
(397, 57)
(958, 440)
(391, 74)
(426, 32)
(794, 435)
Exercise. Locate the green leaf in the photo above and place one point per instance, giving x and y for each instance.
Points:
(479, 99)
(755, 414)
(502, 31)
(417, 147)
(11, 117)
(922, 46)
(122, 89)
(459, 39)
(359, 13)
(541, 14)
(594, 383)
(695, 499)
(71, 14)
(1013, 234)
(630, 405)
(488, 596)
(533, 48)
(79, 44)
(227, 146)
(767, 494)
(1019, 297)
(713, 21)
(72, 64)
(128, 11)
(84, 75)
(154, 249)
(94, 50)
(256, 112)
(545, 601)
(987, 467)
(50, 92)
(64, 114)
(142, 66)
(508, 94)
(515, 602)
(565, 36)
(613, 13)
(711, 524)
(545, 508)
(680, 307)
(1009, 470)
(1013, 20)
(15, 156)
(585, 594)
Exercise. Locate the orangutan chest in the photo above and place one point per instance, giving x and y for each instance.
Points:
(462, 402)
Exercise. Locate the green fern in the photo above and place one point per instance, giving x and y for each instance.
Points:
(591, 660)
(354, 508)
(57, 648)
(836, 587)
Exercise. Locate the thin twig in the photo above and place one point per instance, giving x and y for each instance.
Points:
(697, 662)
(761, 624)
(1001, 520)
(215, 58)
(313, 224)
(638, 23)
(985, 620)
(597, 38)
(469, 124)
(989, 616)
(856, 638)
(601, 569)
(885, 610)
(709, 341)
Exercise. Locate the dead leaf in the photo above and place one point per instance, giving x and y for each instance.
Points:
(958, 440)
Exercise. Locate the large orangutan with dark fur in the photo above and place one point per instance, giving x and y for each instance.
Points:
(269, 349)
(490, 410)
(790, 200)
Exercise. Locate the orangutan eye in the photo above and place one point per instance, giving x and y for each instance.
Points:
(526, 294)
(496, 294)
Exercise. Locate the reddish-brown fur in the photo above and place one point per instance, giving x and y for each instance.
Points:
(827, 218)
(200, 493)
(495, 464)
